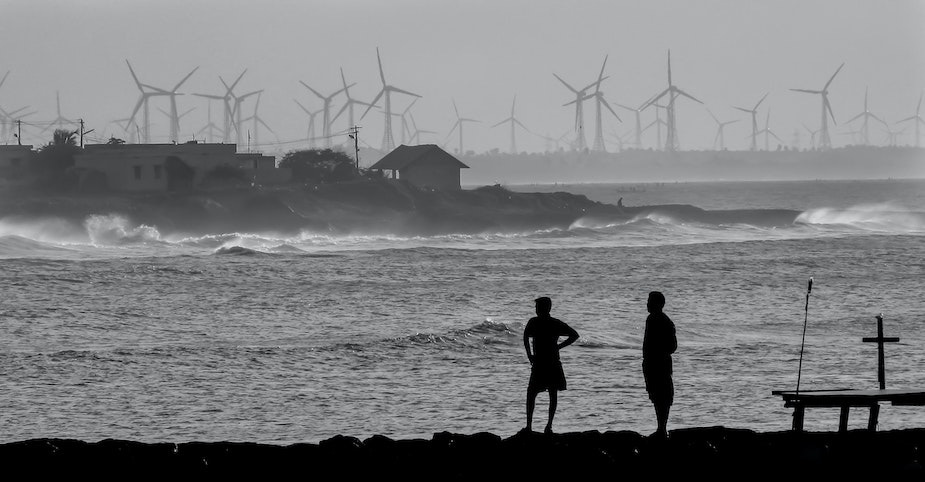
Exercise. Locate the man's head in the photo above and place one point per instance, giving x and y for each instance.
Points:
(656, 302)
(543, 305)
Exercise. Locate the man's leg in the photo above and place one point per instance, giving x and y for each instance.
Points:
(553, 401)
(531, 403)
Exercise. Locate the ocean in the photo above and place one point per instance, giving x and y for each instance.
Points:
(122, 331)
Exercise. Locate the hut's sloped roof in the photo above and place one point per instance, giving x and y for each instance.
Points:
(404, 156)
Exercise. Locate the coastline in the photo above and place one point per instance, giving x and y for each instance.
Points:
(715, 452)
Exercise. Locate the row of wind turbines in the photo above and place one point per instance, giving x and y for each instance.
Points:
(234, 123)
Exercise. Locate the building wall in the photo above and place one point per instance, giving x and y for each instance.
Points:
(14, 159)
(141, 167)
(432, 176)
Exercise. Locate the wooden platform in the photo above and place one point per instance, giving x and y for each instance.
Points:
(845, 399)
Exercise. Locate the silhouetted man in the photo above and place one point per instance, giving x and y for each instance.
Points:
(657, 346)
(546, 372)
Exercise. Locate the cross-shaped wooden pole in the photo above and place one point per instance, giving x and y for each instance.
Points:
(880, 340)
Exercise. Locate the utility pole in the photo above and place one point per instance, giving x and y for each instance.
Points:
(82, 132)
(19, 132)
(355, 135)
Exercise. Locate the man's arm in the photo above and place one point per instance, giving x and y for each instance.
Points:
(527, 343)
(571, 334)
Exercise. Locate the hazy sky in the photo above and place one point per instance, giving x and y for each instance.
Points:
(478, 53)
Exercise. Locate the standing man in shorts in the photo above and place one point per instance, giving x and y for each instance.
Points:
(546, 372)
(657, 346)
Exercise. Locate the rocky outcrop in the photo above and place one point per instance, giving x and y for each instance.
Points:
(713, 452)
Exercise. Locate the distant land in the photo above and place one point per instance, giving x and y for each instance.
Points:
(631, 165)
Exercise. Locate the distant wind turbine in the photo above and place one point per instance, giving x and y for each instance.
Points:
(348, 105)
(825, 142)
(673, 92)
(768, 132)
(388, 140)
(257, 122)
(514, 122)
(459, 126)
(326, 111)
(226, 98)
(866, 114)
(917, 119)
(720, 139)
(60, 121)
(174, 115)
(310, 136)
(580, 97)
(812, 136)
(600, 101)
(754, 112)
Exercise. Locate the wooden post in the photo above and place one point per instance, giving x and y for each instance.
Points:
(880, 340)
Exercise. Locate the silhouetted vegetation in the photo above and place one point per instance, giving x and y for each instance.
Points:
(53, 166)
(320, 165)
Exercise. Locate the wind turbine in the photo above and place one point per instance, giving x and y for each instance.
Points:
(866, 114)
(892, 135)
(459, 125)
(599, 101)
(638, 114)
(812, 136)
(514, 123)
(326, 111)
(143, 104)
(416, 136)
(658, 123)
(754, 112)
(580, 97)
(311, 124)
(236, 109)
(768, 132)
(405, 125)
(671, 140)
(174, 115)
(388, 141)
(210, 126)
(348, 106)
(60, 120)
(173, 118)
(258, 121)
(825, 142)
(720, 138)
(917, 119)
(226, 98)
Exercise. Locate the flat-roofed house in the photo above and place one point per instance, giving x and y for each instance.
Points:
(426, 166)
(163, 167)
(14, 160)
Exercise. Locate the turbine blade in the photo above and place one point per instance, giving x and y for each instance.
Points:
(313, 90)
(833, 77)
(565, 83)
(184, 79)
(807, 91)
(401, 91)
(381, 73)
(760, 101)
(685, 94)
(372, 103)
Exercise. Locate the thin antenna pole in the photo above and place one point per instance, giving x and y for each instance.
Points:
(809, 289)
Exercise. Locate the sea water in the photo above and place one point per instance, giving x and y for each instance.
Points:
(120, 331)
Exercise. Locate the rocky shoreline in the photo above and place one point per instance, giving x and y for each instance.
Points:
(715, 452)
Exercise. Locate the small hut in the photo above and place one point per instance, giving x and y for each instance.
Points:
(426, 166)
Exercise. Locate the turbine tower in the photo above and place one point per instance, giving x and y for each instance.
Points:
(917, 119)
(388, 141)
(754, 112)
(580, 97)
(236, 109)
(459, 125)
(720, 139)
(326, 111)
(866, 114)
(825, 142)
(171, 116)
(310, 136)
(673, 92)
(514, 123)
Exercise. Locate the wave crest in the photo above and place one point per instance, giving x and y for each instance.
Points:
(114, 229)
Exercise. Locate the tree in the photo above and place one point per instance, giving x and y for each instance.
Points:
(320, 165)
(53, 164)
